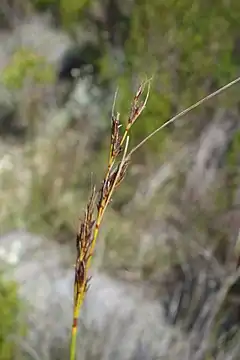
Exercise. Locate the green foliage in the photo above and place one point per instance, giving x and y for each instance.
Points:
(233, 155)
(26, 65)
(68, 11)
(188, 47)
(201, 34)
(72, 10)
(9, 314)
(44, 4)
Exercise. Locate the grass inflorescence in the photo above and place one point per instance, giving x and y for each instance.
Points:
(118, 162)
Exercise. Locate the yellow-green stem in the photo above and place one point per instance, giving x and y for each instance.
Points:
(76, 311)
(73, 345)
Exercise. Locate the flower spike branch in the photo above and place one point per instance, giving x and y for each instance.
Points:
(88, 231)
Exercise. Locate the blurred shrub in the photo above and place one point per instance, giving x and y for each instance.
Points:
(10, 325)
(190, 49)
(25, 64)
(188, 46)
(67, 11)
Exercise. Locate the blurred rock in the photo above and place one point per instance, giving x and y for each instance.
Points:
(80, 98)
(117, 320)
(26, 34)
(8, 121)
(37, 265)
(35, 34)
(210, 156)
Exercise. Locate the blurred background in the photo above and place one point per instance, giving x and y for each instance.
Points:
(165, 273)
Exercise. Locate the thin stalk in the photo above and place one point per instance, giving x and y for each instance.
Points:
(184, 112)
